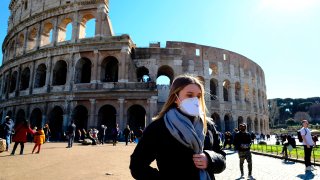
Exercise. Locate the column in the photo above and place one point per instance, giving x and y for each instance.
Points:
(92, 119)
(122, 123)
(48, 73)
(153, 108)
(95, 73)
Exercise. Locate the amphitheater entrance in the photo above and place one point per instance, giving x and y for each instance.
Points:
(36, 118)
(136, 117)
(216, 119)
(240, 121)
(55, 123)
(109, 71)
(227, 123)
(80, 117)
(21, 116)
(107, 116)
(83, 71)
(249, 125)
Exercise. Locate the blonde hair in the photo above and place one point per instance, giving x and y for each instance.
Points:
(177, 85)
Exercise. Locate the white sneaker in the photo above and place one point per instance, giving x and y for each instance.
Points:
(308, 168)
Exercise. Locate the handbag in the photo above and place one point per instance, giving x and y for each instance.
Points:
(290, 148)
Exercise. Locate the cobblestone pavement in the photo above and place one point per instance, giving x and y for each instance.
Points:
(266, 168)
(112, 162)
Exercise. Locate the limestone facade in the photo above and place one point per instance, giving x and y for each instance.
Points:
(48, 77)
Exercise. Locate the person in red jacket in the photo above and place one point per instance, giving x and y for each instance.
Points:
(20, 136)
(38, 138)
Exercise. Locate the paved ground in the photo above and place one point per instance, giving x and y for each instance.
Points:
(111, 162)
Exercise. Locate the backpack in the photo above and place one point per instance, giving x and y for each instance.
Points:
(299, 135)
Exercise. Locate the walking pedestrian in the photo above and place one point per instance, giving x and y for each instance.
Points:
(38, 139)
(71, 133)
(126, 133)
(307, 144)
(242, 143)
(8, 130)
(20, 136)
(102, 134)
(115, 134)
(47, 132)
(182, 140)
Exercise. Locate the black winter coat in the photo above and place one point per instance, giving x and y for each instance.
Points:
(174, 160)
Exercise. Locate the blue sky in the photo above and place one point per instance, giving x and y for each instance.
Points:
(282, 36)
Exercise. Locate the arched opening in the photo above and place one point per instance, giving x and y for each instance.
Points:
(20, 117)
(246, 93)
(240, 121)
(213, 89)
(80, 117)
(216, 119)
(55, 123)
(136, 117)
(226, 89)
(25, 79)
(213, 69)
(107, 115)
(249, 124)
(83, 71)
(46, 36)
(65, 30)
(60, 73)
(13, 81)
(36, 118)
(87, 26)
(142, 72)
(166, 71)
(11, 50)
(41, 73)
(20, 44)
(227, 123)
(109, 71)
(237, 90)
(32, 39)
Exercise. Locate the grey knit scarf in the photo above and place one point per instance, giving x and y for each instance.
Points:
(189, 134)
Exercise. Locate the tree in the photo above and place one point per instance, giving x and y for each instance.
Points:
(299, 116)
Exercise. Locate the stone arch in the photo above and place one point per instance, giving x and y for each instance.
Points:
(166, 70)
(226, 90)
(83, 71)
(213, 89)
(63, 30)
(228, 123)
(109, 69)
(213, 69)
(13, 81)
(246, 92)
(240, 121)
(32, 38)
(216, 119)
(237, 90)
(59, 73)
(36, 118)
(83, 25)
(11, 49)
(6, 83)
(20, 116)
(41, 73)
(25, 78)
(136, 117)
(80, 117)
(55, 123)
(107, 115)
(141, 72)
(256, 125)
(20, 44)
(47, 34)
(249, 125)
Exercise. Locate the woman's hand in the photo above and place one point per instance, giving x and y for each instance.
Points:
(200, 161)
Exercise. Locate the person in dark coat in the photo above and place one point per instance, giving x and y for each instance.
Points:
(8, 130)
(71, 132)
(126, 133)
(182, 140)
(20, 136)
(242, 144)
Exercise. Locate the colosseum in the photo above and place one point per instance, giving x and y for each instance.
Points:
(49, 77)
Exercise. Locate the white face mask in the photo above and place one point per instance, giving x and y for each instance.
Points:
(190, 106)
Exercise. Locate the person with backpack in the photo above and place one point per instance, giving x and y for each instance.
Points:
(307, 144)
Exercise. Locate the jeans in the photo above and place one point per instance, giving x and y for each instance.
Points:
(8, 141)
(307, 155)
(15, 147)
(70, 141)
